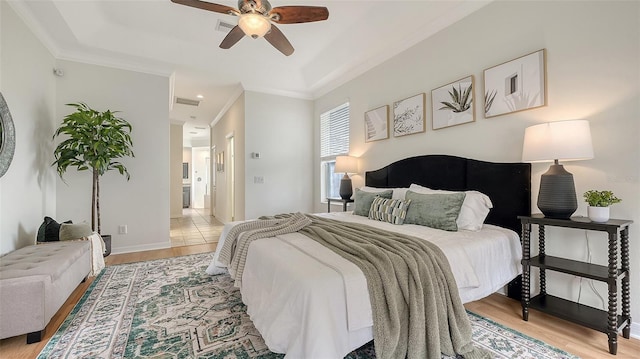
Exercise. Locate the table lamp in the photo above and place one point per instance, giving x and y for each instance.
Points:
(346, 164)
(555, 141)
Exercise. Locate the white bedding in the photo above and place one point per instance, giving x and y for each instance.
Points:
(308, 302)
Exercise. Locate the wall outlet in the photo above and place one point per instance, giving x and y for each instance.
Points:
(122, 229)
(258, 179)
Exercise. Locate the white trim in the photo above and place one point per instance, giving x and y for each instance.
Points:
(635, 330)
(141, 247)
(349, 71)
(172, 89)
(21, 8)
(232, 99)
(147, 67)
(303, 95)
(100, 60)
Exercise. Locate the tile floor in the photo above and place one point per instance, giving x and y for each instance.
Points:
(196, 226)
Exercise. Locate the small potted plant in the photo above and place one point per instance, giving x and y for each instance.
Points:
(599, 202)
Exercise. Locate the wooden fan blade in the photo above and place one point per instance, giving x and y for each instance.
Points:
(299, 14)
(207, 6)
(279, 41)
(232, 37)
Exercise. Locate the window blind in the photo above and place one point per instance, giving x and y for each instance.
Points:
(334, 132)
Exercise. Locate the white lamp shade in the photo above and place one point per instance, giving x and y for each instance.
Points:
(254, 25)
(562, 140)
(346, 164)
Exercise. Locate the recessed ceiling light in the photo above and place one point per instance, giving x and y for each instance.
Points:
(200, 96)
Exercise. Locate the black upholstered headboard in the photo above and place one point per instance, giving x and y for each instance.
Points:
(507, 184)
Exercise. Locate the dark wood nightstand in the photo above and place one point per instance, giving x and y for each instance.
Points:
(341, 200)
(608, 322)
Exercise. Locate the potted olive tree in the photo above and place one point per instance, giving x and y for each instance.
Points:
(94, 141)
(599, 202)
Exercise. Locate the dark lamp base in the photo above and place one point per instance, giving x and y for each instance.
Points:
(557, 196)
(346, 191)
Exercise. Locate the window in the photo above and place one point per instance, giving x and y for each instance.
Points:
(334, 141)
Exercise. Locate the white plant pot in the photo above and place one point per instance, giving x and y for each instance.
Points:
(598, 214)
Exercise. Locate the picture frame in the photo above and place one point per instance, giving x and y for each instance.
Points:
(453, 104)
(376, 124)
(516, 85)
(220, 161)
(409, 115)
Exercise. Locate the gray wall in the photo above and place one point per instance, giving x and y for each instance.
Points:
(143, 202)
(27, 190)
(593, 53)
(176, 149)
(281, 130)
(231, 123)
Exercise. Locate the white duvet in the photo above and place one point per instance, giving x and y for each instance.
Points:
(309, 302)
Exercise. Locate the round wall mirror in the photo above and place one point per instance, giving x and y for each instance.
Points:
(7, 137)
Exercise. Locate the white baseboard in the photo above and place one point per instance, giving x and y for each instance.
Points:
(635, 330)
(141, 248)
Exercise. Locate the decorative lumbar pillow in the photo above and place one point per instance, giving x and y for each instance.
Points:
(74, 231)
(49, 230)
(435, 210)
(364, 199)
(389, 210)
(474, 211)
(398, 193)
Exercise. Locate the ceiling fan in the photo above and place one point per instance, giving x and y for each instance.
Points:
(257, 18)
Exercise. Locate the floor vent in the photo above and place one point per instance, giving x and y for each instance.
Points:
(186, 101)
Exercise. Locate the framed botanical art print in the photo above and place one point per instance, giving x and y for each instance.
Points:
(220, 161)
(453, 104)
(517, 85)
(408, 116)
(376, 124)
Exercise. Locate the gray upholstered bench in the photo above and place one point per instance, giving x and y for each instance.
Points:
(34, 283)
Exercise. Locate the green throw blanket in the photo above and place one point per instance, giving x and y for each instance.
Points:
(417, 311)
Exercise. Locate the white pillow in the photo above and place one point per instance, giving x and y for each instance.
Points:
(398, 193)
(474, 210)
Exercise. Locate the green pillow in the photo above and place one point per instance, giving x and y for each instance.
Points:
(435, 210)
(74, 231)
(389, 210)
(364, 199)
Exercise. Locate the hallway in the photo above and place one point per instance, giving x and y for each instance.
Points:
(195, 227)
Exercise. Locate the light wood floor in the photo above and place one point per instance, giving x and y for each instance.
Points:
(572, 338)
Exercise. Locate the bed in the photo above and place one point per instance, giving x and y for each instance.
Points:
(308, 302)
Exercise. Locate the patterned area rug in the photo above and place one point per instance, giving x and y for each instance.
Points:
(170, 308)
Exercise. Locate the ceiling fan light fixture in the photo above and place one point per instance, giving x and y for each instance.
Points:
(254, 25)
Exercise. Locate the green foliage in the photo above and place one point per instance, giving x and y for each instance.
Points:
(600, 198)
(460, 100)
(94, 141)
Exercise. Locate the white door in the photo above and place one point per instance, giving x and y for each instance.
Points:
(199, 188)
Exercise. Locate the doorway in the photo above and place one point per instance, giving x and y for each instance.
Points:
(200, 175)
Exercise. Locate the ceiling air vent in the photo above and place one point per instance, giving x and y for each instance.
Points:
(224, 26)
(186, 101)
